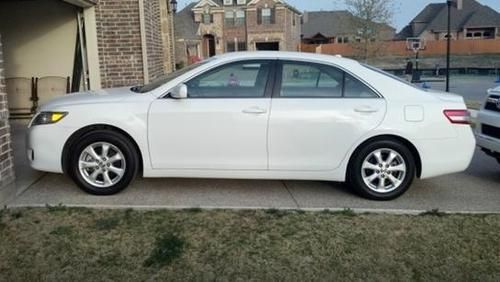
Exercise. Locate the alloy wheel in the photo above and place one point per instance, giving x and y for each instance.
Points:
(102, 164)
(383, 170)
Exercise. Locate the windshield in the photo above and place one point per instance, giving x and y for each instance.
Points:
(168, 77)
(391, 76)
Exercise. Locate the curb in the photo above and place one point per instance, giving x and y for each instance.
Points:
(233, 208)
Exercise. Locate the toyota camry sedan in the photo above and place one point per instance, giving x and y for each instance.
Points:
(257, 115)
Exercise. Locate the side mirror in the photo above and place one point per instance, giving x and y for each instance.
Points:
(179, 92)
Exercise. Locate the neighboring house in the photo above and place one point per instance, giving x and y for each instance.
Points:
(472, 21)
(187, 40)
(237, 25)
(96, 43)
(323, 27)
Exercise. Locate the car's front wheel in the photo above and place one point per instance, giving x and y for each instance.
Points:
(103, 162)
(382, 170)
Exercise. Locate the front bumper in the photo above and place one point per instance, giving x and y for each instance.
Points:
(488, 143)
(44, 146)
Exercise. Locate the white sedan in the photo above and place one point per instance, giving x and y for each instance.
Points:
(257, 115)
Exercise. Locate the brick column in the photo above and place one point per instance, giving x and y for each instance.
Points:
(6, 156)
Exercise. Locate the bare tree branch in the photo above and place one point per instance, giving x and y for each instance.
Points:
(370, 18)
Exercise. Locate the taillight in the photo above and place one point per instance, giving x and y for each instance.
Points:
(458, 116)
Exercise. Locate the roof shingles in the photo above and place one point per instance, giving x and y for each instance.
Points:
(434, 18)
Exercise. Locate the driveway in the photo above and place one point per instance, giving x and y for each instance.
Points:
(475, 190)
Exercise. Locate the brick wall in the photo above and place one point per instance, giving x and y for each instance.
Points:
(119, 42)
(120, 45)
(281, 31)
(168, 37)
(154, 40)
(6, 156)
(398, 48)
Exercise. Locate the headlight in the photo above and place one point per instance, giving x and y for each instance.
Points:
(48, 118)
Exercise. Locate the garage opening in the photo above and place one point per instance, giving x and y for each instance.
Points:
(267, 46)
(44, 52)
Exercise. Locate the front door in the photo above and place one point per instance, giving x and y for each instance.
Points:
(222, 125)
(318, 113)
(209, 46)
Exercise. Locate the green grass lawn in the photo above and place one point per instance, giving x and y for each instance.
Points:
(58, 243)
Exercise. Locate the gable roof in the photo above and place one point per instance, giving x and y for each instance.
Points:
(330, 24)
(185, 26)
(434, 17)
(202, 3)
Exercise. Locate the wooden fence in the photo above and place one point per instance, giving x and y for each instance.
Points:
(398, 48)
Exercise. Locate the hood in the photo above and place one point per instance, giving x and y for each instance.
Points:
(494, 90)
(89, 97)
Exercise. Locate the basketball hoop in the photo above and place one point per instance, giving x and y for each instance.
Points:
(415, 44)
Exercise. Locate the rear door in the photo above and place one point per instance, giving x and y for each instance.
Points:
(318, 113)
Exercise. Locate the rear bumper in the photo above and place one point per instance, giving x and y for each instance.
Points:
(44, 146)
(445, 156)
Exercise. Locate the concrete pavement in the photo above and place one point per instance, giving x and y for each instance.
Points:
(476, 190)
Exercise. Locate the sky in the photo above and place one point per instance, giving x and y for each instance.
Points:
(406, 10)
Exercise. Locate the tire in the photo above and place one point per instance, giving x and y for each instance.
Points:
(377, 180)
(99, 173)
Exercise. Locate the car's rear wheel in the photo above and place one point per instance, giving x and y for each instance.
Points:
(103, 162)
(382, 170)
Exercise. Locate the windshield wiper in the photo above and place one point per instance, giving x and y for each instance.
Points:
(136, 89)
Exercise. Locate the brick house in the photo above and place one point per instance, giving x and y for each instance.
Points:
(237, 25)
(52, 47)
(469, 20)
(324, 27)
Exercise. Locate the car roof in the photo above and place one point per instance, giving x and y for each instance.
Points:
(284, 55)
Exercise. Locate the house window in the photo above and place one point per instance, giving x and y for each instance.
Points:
(229, 18)
(265, 16)
(208, 18)
(230, 46)
(469, 35)
(477, 34)
(240, 17)
(241, 2)
(242, 46)
(228, 2)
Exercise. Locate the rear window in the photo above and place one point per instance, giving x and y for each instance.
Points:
(392, 76)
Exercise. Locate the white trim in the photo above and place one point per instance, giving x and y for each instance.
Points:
(92, 48)
(205, 2)
(253, 2)
(142, 25)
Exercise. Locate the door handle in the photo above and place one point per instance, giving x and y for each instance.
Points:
(366, 110)
(255, 111)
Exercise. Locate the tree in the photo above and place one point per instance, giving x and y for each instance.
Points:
(370, 21)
